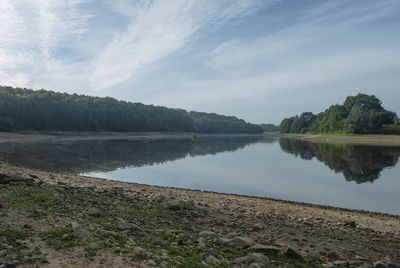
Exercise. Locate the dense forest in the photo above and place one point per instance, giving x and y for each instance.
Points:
(25, 109)
(361, 114)
(270, 128)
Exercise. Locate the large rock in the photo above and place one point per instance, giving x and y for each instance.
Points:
(256, 258)
(241, 242)
(267, 250)
(180, 205)
(290, 252)
(207, 234)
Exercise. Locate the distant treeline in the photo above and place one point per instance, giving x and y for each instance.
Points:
(359, 114)
(25, 109)
(270, 128)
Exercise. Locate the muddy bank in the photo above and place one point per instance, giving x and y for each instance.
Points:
(389, 140)
(61, 220)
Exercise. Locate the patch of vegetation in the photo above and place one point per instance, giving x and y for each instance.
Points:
(12, 236)
(91, 251)
(102, 234)
(60, 238)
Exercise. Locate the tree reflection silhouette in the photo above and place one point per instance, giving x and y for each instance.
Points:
(359, 163)
(84, 156)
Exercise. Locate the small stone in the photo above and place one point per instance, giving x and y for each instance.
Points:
(123, 225)
(118, 190)
(333, 255)
(174, 205)
(212, 259)
(140, 252)
(224, 240)
(3, 253)
(379, 264)
(341, 263)
(161, 198)
(365, 265)
(353, 224)
(181, 205)
(65, 236)
(151, 263)
(252, 258)
(94, 212)
(72, 225)
(258, 227)
(256, 265)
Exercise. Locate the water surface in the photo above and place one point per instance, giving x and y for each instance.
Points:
(349, 176)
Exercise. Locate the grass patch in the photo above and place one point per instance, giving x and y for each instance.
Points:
(60, 238)
(91, 251)
(11, 236)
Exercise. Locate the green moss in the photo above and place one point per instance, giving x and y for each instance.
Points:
(60, 238)
(11, 236)
(91, 251)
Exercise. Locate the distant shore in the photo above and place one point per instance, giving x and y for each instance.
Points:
(102, 135)
(369, 139)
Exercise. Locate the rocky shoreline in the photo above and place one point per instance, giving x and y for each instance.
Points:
(59, 220)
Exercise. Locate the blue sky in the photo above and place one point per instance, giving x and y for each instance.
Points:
(258, 60)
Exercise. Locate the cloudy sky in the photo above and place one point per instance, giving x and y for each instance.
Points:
(258, 60)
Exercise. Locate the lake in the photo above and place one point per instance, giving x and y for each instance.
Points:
(348, 176)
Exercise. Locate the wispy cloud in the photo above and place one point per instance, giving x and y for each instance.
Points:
(327, 51)
(158, 30)
(31, 32)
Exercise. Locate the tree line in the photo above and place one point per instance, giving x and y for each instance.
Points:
(26, 109)
(360, 114)
(270, 128)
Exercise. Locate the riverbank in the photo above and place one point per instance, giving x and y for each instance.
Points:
(73, 221)
(389, 140)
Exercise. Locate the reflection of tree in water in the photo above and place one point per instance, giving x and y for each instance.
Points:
(359, 163)
(107, 155)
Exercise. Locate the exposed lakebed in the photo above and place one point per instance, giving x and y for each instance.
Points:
(349, 176)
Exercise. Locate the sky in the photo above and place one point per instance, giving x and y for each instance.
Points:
(260, 60)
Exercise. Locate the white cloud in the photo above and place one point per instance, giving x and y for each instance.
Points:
(157, 31)
(31, 32)
(313, 57)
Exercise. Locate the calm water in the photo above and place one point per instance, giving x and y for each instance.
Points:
(350, 176)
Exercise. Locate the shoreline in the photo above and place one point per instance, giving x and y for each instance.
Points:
(367, 139)
(102, 135)
(279, 224)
